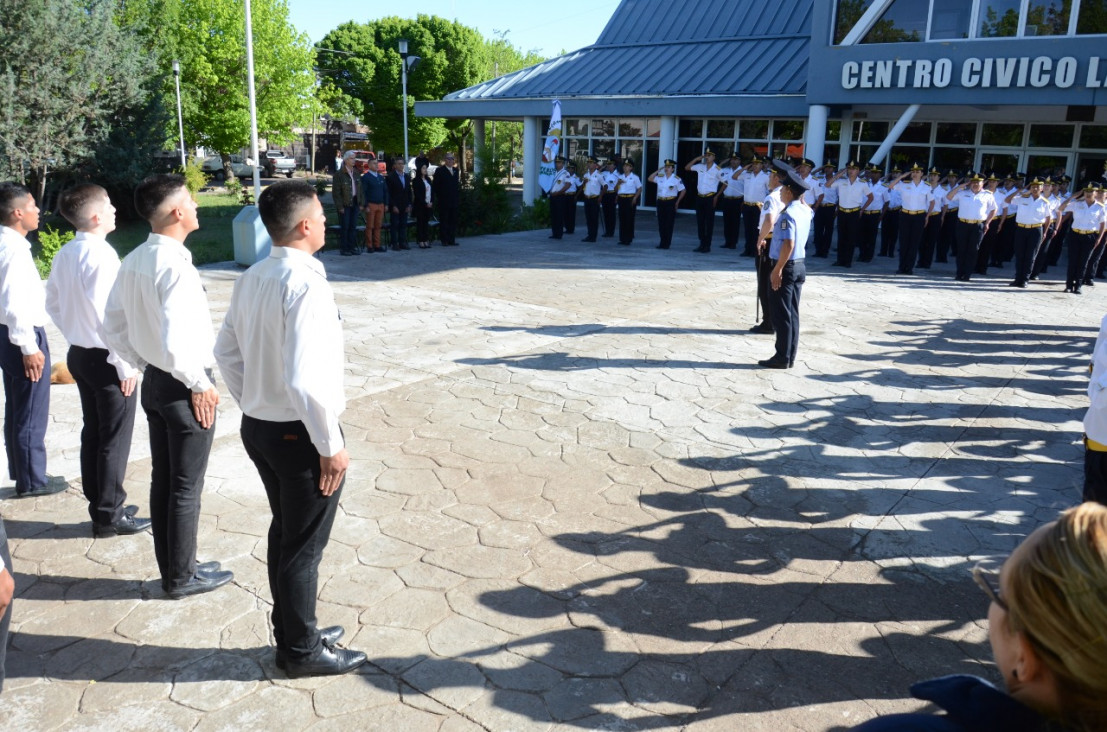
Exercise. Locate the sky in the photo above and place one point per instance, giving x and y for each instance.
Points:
(527, 23)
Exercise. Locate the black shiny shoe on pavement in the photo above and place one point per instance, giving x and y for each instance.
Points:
(331, 661)
(762, 328)
(125, 526)
(772, 363)
(54, 484)
(202, 582)
(329, 636)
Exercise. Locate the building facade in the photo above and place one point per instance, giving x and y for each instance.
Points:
(1003, 85)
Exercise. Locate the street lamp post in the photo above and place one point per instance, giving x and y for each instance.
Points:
(180, 117)
(403, 78)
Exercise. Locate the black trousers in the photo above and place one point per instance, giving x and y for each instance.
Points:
(947, 238)
(931, 231)
(1026, 243)
(1094, 263)
(422, 223)
(179, 449)
(732, 221)
(889, 232)
(911, 228)
(785, 309)
(109, 420)
(592, 217)
(764, 286)
(447, 225)
(824, 228)
(849, 236)
(1056, 244)
(1005, 251)
(302, 519)
(1080, 250)
(969, 237)
(988, 245)
(608, 204)
(626, 219)
(397, 228)
(751, 222)
(6, 620)
(870, 224)
(705, 219)
(570, 204)
(557, 216)
(347, 231)
(666, 220)
(26, 412)
(1095, 480)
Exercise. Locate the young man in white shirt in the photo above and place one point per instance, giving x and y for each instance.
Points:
(157, 314)
(708, 177)
(81, 276)
(280, 351)
(24, 352)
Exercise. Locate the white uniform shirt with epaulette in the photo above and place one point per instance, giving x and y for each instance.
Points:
(1001, 195)
(975, 206)
(1086, 217)
(830, 193)
(950, 205)
(574, 183)
(559, 181)
(668, 186)
(1030, 211)
(880, 196)
(629, 184)
(593, 184)
(735, 188)
(771, 207)
(914, 197)
(895, 199)
(813, 192)
(851, 195)
(755, 186)
(610, 180)
(707, 179)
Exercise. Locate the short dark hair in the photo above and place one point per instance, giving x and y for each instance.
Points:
(11, 196)
(152, 192)
(74, 203)
(281, 207)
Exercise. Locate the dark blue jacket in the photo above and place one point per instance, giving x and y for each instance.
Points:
(971, 705)
(373, 189)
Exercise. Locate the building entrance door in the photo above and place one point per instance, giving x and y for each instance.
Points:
(1000, 162)
(1090, 167)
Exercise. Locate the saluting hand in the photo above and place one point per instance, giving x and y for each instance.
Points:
(332, 470)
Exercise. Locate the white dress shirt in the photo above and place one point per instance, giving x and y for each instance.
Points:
(1095, 420)
(610, 180)
(1085, 217)
(81, 278)
(880, 196)
(755, 186)
(707, 179)
(593, 184)
(157, 313)
(814, 191)
(669, 186)
(574, 183)
(915, 196)
(629, 184)
(1030, 211)
(771, 208)
(735, 187)
(851, 195)
(975, 206)
(280, 349)
(22, 298)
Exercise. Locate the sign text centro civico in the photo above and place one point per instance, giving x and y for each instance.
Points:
(976, 73)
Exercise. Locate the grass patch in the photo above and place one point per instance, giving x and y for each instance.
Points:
(213, 242)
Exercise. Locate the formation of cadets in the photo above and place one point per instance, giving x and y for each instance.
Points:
(918, 216)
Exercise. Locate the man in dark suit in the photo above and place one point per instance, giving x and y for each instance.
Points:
(446, 187)
(399, 204)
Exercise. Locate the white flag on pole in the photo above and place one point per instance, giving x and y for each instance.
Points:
(551, 150)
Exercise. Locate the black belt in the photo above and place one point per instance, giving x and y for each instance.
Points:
(772, 262)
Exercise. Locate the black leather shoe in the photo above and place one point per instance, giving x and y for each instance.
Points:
(131, 510)
(772, 363)
(329, 636)
(587, 239)
(662, 246)
(201, 583)
(331, 661)
(123, 527)
(761, 328)
(54, 484)
(208, 567)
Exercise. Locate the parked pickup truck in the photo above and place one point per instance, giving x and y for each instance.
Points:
(275, 162)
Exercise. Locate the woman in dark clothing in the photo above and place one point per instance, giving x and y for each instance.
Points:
(1047, 623)
(421, 205)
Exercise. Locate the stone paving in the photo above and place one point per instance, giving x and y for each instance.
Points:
(576, 503)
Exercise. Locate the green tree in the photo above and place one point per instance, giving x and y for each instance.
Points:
(68, 75)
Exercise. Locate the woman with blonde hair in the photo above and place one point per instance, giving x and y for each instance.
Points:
(1047, 624)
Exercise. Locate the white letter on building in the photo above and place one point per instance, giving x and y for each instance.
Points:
(943, 72)
(1039, 71)
(1066, 72)
(970, 73)
(849, 75)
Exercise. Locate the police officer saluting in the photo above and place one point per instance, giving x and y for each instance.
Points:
(733, 193)
(1087, 226)
(708, 178)
(917, 203)
(670, 192)
(786, 259)
(609, 198)
(1032, 212)
(629, 189)
(976, 208)
(853, 195)
(593, 189)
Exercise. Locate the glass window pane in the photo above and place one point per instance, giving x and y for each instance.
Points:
(954, 158)
(866, 131)
(1093, 17)
(603, 128)
(788, 129)
(849, 12)
(753, 129)
(690, 129)
(916, 132)
(833, 130)
(1048, 17)
(998, 18)
(577, 127)
(631, 128)
(1094, 136)
(653, 127)
(956, 133)
(603, 149)
(830, 152)
(746, 150)
(720, 129)
(950, 19)
(864, 153)
(1001, 135)
(574, 147)
(904, 21)
(904, 156)
(1051, 135)
(1052, 165)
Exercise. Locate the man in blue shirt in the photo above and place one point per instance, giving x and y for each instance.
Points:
(786, 253)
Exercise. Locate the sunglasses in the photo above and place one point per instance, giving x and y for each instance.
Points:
(988, 581)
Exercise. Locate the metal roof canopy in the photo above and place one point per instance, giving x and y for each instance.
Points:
(659, 57)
